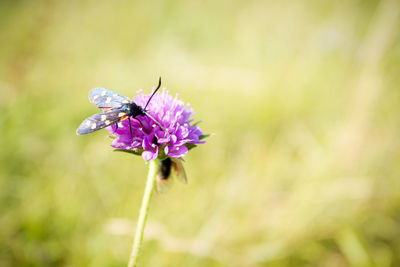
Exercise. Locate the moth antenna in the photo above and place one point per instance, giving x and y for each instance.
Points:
(148, 101)
(158, 87)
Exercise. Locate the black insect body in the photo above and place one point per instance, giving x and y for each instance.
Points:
(115, 108)
(164, 169)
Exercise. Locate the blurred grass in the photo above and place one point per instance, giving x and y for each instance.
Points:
(303, 98)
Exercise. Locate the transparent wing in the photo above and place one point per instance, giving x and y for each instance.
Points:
(163, 185)
(179, 171)
(99, 121)
(104, 98)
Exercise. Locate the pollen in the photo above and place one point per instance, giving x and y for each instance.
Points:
(108, 100)
(125, 101)
(107, 122)
(93, 126)
(121, 114)
(88, 123)
(95, 97)
(103, 93)
(103, 117)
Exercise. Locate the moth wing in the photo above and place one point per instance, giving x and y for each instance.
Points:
(98, 121)
(104, 98)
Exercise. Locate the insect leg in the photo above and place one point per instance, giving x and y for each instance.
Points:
(116, 128)
(159, 125)
(140, 123)
(143, 129)
(130, 129)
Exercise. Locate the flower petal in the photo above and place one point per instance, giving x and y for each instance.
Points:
(149, 154)
(177, 151)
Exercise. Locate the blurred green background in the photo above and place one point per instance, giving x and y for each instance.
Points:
(302, 96)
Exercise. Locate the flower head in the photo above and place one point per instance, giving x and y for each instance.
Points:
(148, 138)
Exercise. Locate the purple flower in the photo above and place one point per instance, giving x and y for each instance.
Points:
(148, 138)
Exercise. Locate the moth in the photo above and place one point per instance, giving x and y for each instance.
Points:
(115, 108)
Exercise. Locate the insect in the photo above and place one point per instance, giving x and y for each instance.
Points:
(169, 167)
(115, 108)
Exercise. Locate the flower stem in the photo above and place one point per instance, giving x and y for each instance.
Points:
(144, 210)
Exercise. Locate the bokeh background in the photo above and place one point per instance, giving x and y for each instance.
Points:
(302, 97)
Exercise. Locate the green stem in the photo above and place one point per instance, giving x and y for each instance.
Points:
(144, 210)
